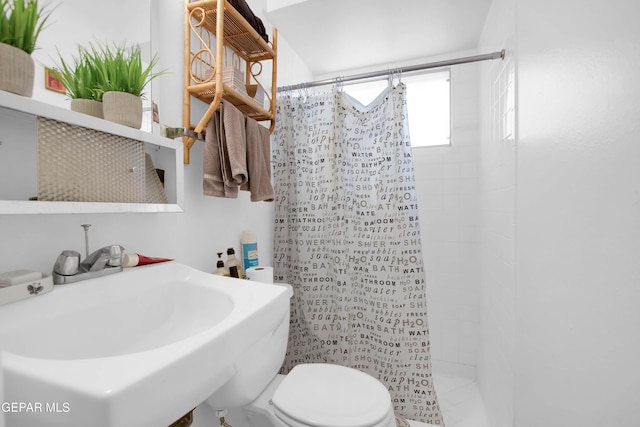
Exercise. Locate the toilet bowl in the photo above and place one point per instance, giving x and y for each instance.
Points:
(322, 395)
(311, 395)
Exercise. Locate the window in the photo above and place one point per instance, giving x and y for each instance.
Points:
(428, 105)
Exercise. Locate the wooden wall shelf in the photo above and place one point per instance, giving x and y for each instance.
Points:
(206, 55)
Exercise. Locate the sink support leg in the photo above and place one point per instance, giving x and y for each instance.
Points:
(220, 413)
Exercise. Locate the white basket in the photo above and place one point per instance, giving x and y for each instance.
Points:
(231, 76)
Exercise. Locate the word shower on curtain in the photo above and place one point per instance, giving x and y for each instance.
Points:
(347, 239)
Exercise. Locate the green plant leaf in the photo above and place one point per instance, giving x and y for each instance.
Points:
(122, 69)
(21, 23)
(104, 68)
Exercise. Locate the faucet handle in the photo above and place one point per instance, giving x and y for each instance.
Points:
(67, 263)
(116, 253)
(108, 256)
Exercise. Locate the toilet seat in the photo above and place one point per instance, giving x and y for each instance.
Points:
(324, 395)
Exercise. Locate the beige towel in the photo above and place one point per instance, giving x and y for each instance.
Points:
(225, 153)
(235, 140)
(212, 182)
(230, 188)
(258, 163)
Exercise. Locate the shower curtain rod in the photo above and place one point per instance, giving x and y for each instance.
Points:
(391, 71)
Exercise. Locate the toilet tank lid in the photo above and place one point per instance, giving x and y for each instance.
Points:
(325, 395)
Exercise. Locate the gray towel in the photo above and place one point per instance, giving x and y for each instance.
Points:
(258, 162)
(235, 142)
(230, 188)
(212, 182)
(225, 153)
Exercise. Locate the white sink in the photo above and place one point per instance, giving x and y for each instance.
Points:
(138, 348)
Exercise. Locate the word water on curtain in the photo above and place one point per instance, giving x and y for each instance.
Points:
(347, 239)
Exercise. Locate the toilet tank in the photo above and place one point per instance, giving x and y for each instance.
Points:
(254, 370)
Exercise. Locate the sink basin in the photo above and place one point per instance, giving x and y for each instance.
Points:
(137, 348)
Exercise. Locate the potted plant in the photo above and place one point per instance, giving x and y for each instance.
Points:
(83, 82)
(21, 22)
(124, 78)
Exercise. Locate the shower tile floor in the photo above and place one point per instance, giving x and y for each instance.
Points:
(460, 402)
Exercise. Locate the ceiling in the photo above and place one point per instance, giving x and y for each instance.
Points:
(338, 35)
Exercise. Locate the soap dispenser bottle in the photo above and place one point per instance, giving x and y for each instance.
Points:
(220, 270)
(232, 264)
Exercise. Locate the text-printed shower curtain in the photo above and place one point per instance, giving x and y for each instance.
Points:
(347, 238)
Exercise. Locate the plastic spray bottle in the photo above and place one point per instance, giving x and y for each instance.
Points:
(249, 250)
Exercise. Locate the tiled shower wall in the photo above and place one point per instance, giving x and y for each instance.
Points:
(497, 257)
(496, 356)
(447, 186)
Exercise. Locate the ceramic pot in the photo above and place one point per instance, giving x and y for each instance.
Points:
(123, 108)
(16, 70)
(87, 106)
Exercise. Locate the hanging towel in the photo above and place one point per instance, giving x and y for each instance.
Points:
(227, 156)
(258, 162)
(225, 153)
(212, 182)
(235, 142)
(230, 188)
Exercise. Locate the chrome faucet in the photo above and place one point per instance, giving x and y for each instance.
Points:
(69, 269)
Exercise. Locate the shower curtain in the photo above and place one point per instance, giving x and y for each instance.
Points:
(347, 239)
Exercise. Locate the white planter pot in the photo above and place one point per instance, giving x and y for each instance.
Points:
(123, 108)
(16, 70)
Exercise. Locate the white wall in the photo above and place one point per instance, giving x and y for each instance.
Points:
(578, 213)
(208, 224)
(120, 21)
(561, 217)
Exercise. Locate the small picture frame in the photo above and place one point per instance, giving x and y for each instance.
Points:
(52, 83)
(154, 110)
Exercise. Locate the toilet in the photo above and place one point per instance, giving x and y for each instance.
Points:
(310, 395)
(323, 395)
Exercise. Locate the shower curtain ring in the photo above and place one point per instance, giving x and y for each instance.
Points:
(395, 73)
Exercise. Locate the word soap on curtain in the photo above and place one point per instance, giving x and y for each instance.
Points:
(347, 239)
